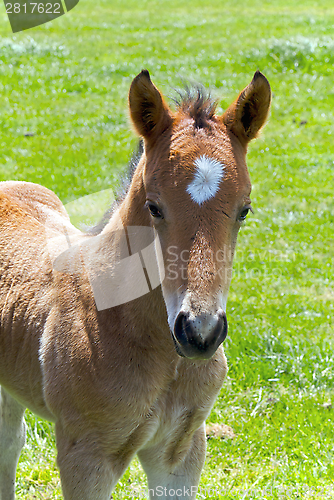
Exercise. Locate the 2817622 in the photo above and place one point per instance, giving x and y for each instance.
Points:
(33, 8)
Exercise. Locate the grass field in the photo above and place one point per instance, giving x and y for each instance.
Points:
(67, 82)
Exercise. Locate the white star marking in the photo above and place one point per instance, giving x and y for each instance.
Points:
(208, 175)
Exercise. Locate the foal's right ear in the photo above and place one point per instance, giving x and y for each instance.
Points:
(149, 113)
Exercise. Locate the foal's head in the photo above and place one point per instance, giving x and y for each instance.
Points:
(197, 195)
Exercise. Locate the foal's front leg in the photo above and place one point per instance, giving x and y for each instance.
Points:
(171, 473)
(86, 471)
(12, 439)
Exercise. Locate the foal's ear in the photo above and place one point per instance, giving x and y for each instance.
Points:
(248, 113)
(150, 114)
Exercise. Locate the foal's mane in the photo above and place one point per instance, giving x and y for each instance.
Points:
(196, 103)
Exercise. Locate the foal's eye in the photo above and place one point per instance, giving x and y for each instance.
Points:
(154, 210)
(244, 212)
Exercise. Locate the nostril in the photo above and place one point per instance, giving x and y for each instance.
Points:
(180, 327)
(222, 321)
(199, 337)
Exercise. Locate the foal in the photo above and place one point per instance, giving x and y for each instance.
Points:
(124, 370)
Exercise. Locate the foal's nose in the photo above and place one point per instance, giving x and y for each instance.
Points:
(199, 338)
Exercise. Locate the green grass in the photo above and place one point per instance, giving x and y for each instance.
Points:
(67, 83)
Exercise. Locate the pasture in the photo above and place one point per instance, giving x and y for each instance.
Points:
(64, 124)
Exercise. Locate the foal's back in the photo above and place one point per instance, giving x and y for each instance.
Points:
(30, 217)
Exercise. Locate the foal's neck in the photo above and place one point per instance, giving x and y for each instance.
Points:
(131, 213)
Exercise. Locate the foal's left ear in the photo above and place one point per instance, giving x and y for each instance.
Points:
(248, 113)
(149, 112)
